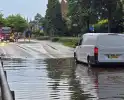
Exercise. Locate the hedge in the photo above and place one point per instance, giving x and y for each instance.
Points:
(67, 41)
(43, 38)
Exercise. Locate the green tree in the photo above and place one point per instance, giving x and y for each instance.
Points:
(87, 12)
(74, 16)
(54, 25)
(2, 19)
(111, 10)
(110, 7)
(83, 13)
(39, 19)
(17, 21)
(37, 22)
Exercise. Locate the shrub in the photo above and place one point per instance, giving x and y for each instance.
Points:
(69, 41)
(38, 33)
(55, 39)
(101, 26)
(43, 38)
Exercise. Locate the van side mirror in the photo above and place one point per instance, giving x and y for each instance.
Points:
(76, 44)
(80, 42)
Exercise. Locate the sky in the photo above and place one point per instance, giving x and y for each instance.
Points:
(27, 8)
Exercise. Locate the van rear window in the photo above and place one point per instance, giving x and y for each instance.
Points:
(111, 40)
(91, 40)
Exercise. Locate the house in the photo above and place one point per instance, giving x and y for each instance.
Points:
(64, 8)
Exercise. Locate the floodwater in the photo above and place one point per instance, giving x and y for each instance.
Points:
(62, 79)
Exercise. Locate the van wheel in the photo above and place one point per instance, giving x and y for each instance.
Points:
(89, 62)
(75, 58)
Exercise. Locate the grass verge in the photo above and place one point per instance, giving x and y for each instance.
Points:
(43, 38)
(67, 41)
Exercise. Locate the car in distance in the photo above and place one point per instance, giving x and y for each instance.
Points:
(100, 48)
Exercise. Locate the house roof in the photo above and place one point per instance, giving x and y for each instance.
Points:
(63, 0)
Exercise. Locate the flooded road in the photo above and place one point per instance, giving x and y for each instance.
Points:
(37, 71)
(62, 79)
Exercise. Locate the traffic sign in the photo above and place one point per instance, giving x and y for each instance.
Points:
(91, 28)
(41, 28)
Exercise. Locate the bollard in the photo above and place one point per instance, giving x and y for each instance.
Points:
(2, 63)
(5, 74)
(29, 38)
(13, 95)
(24, 39)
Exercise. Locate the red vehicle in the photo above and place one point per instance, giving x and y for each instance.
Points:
(5, 33)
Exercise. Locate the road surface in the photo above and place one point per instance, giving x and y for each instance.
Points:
(45, 70)
(35, 49)
(26, 68)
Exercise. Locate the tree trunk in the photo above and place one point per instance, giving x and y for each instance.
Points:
(109, 19)
(88, 26)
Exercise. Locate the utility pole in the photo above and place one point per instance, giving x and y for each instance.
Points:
(109, 16)
(109, 19)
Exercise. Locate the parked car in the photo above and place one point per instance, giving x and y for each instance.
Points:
(100, 48)
(5, 33)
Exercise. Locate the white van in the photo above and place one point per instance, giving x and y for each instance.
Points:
(100, 48)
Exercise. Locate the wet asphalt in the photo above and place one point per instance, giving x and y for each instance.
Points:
(36, 71)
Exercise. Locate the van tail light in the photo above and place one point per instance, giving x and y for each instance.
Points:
(96, 50)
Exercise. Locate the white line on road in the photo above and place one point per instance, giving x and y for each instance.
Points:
(43, 51)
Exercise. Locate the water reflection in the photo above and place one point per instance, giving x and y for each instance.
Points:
(66, 80)
(78, 82)
(62, 79)
(75, 86)
(88, 82)
(27, 78)
(59, 71)
(101, 83)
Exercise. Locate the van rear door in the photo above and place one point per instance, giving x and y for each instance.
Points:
(111, 48)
